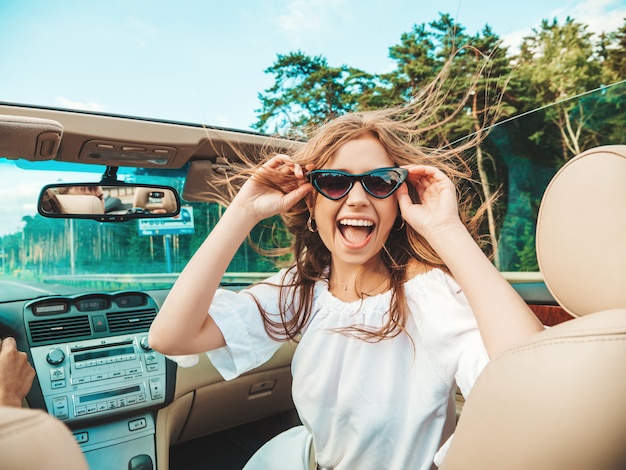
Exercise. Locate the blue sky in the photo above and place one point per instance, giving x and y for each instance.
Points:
(203, 61)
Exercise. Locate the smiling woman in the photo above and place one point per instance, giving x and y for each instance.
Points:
(392, 301)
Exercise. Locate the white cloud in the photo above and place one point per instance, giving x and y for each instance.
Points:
(310, 15)
(599, 16)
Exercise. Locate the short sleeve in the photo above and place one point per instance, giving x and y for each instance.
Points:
(238, 317)
(247, 343)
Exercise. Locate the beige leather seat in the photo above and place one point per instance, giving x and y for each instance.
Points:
(558, 402)
(32, 439)
(80, 204)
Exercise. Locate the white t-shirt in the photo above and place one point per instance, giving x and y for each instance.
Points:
(368, 405)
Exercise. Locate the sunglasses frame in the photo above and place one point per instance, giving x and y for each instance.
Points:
(357, 177)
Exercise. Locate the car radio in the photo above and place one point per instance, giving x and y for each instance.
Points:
(83, 379)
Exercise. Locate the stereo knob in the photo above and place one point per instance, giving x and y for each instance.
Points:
(143, 342)
(55, 357)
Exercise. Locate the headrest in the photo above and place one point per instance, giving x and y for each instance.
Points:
(581, 232)
(80, 204)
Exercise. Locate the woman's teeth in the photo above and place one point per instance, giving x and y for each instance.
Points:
(356, 222)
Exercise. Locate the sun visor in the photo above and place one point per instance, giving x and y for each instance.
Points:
(201, 184)
(29, 138)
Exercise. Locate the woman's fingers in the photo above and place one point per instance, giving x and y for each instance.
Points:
(437, 198)
(285, 165)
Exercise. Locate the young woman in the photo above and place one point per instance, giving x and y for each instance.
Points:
(392, 301)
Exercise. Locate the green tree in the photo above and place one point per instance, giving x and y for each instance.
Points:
(307, 91)
(415, 65)
(558, 62)
(613, 51)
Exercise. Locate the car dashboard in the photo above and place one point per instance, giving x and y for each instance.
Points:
(96, 372)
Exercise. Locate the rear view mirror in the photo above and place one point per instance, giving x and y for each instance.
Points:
(114, 202)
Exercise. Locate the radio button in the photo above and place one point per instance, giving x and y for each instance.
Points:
(59, 407)
(151, 358)
(82, 437)
(136, 424)
(156, 389)
(96, 377)
(102, 406)
(81, 411)
(143, 342)
(55, 357)
(92, 409)
(58, 373)
(80, 380)
(57, 384)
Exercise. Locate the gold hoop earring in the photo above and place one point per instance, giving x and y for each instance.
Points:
(311, 224)
(395, 224)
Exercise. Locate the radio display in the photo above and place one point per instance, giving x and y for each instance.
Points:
(91, 305)
(87, 356)
(50, 308)
(109, 394)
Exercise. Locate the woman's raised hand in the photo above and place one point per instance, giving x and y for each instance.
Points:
(261, 200)
(438, 207)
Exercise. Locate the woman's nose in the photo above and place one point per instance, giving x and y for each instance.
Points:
(357, 195)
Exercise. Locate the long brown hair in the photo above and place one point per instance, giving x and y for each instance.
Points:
(400, 130)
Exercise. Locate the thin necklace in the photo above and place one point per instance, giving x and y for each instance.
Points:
(367, 292)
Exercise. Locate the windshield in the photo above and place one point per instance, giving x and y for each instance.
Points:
(138, 254)
(149, 253)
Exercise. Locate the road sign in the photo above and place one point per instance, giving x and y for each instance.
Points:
(182, 224)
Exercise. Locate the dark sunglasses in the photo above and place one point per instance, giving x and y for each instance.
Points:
(335, 184)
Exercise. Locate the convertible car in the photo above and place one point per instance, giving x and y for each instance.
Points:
(101, 212)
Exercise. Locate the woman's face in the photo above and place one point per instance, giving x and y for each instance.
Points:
(355, 227)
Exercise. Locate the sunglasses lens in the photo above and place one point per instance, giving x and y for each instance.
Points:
(383, 183)
(379, 183)
(332, 185)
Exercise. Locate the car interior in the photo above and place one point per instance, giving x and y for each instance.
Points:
(125, 404)
(103, 399)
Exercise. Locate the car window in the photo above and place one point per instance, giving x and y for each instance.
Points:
(89, 255)
(531, 148)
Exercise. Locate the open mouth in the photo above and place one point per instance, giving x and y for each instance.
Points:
(356, 231)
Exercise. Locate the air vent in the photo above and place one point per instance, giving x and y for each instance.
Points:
(139, 320)
(59, 328)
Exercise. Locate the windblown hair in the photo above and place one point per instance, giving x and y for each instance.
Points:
(400, 130)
